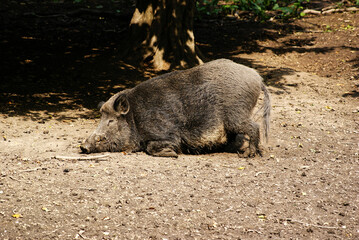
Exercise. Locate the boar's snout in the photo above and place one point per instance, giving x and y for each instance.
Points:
(85, 148)
(94, 143)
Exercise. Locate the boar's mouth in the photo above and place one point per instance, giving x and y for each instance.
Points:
(87, 148)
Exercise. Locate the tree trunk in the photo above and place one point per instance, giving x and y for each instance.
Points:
(161, 34)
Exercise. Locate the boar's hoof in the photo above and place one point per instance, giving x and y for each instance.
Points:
(248, 153)
(166, 152)
(251, 152)
(161, 149)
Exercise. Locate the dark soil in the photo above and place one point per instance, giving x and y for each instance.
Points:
(54, 71)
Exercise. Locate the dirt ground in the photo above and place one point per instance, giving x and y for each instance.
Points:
(306, 186)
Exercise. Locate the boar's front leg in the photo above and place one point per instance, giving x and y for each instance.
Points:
(161, 149)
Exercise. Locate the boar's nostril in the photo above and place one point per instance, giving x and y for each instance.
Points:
(84, 149)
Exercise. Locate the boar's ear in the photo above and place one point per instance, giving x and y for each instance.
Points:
(100, 104)
(121, 104)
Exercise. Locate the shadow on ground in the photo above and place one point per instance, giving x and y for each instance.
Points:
(69, 62)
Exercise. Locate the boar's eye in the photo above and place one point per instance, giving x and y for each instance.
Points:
(109, 121)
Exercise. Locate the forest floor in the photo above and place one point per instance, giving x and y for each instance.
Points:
(55, 70)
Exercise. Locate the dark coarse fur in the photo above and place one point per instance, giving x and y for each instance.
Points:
(205, 107)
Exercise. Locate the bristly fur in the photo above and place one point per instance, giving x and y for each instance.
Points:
(200, 108)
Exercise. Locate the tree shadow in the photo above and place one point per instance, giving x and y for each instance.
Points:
(43, 75)
(231, 38)
(55, 64)
(353, 94)
(52, 65)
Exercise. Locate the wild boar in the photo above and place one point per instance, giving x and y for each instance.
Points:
(203, 108)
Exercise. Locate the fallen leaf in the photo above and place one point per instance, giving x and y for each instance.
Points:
(262, 217)
(241, 168)
(17, 215)
(45, 209)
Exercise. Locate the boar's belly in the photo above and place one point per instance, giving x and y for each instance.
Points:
(213, 136)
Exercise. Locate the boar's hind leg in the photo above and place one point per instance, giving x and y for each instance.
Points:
(237, 143)
(161, 149)
(251, 129)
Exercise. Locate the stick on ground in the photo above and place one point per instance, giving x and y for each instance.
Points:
(95, 157)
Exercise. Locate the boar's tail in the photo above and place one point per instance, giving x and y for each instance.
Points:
(266, 111)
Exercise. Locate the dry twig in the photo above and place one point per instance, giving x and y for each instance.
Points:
(311, 225)
(33, 169)
(331, 9)
(19, 180)
(95, 157)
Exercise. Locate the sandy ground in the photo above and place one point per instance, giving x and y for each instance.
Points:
(306, 186)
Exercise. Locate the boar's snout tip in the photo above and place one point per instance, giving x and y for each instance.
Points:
(84, 149)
